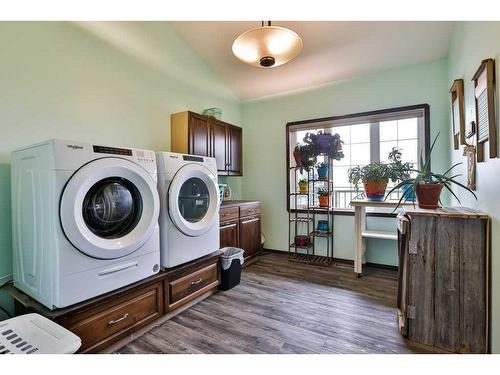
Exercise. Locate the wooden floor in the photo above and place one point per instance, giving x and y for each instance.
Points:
(284, 307)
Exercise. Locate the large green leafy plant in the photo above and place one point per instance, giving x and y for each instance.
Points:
(377, 172)
(424, 175)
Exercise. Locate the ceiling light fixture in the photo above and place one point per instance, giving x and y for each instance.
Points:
(267, 46)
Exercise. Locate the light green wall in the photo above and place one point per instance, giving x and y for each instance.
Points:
(106, 83)
(265, 119)
(472, 42)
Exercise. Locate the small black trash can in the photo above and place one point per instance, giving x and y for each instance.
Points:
(231, 262)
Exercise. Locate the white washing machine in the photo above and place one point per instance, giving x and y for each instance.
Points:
(85, 220)
(189, 201)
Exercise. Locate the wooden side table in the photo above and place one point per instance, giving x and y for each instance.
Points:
(361, 232)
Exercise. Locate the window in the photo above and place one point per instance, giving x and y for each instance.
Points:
(367, 138)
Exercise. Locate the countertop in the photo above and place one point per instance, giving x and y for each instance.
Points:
(232, 203)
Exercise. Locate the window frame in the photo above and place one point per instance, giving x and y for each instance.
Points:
(343, 212)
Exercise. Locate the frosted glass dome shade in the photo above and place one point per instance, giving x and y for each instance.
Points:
(267, 46)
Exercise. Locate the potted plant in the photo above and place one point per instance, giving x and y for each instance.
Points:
(297, 155)
(323, 196)
(325, 143)
(322, 171)
(376, 176)
(401, 171)
(428, 185)
(303, 188)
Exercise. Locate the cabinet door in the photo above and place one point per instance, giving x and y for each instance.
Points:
(250, 235)
(229, 234)
(234, 140)
(199, 135)
(218, 144)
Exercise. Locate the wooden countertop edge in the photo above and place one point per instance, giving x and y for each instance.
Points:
(234, 203)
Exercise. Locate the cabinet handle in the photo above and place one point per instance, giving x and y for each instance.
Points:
(193, 283)
(111, 322)
(250, 221)
(228, 226)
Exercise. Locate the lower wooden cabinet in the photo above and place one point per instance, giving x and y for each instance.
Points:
(101, 326)
(184, 289)
(240, 226)
(229, 234)
(250, 235)
(107, 319)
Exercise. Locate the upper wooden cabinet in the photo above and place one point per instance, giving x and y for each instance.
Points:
(196, 134)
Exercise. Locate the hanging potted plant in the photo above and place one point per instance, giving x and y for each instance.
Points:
(376, 176)
(428, 185)
(303, 188)
(325, 143)
(322, 171)
(297, 155)
(324, 198)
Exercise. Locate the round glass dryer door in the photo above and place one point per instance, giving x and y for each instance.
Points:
(193, 200)
(112, 207)
(109, 208)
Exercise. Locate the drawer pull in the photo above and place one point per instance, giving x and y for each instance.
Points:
(193, 283)
(250, 221)
(111, 322)
(228, 226)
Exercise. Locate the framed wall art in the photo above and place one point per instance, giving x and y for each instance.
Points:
(484, 90)
(457, 113)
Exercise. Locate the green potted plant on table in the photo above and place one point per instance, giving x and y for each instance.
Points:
(376, 176)
(303, 188)
(427, 184)
(324, 198)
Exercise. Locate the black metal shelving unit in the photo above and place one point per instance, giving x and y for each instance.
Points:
(303, 220)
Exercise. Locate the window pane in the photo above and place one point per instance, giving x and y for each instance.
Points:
(343, 131)
(360, 133)
(409, 150)
(388, 130)
(408, 128)
(340, 178)
(385, 149)
(346, 149)
(360, 154)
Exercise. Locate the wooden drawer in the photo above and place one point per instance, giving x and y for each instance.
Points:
(102, 326)
(250, 209)
(188, 287)
(229, 213)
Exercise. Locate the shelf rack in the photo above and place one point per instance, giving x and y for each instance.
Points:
(305, 221)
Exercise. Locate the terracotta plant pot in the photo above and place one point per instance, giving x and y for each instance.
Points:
(428, 195)
(303, 187)
(375, 190)
(323, 200)
(298, 158)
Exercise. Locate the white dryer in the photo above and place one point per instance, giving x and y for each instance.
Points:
(85, 220)
(189, 201)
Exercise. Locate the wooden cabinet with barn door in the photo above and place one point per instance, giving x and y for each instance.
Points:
(195, 134)
(443, 285)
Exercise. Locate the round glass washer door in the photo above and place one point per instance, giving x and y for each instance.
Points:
(193, 200)
(109, 208)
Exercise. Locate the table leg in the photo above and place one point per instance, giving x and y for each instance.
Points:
(359, 213)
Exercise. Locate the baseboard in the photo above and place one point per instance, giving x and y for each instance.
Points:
(5, 279)
(340, 260)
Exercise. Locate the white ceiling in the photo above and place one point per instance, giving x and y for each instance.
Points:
(332, 51)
